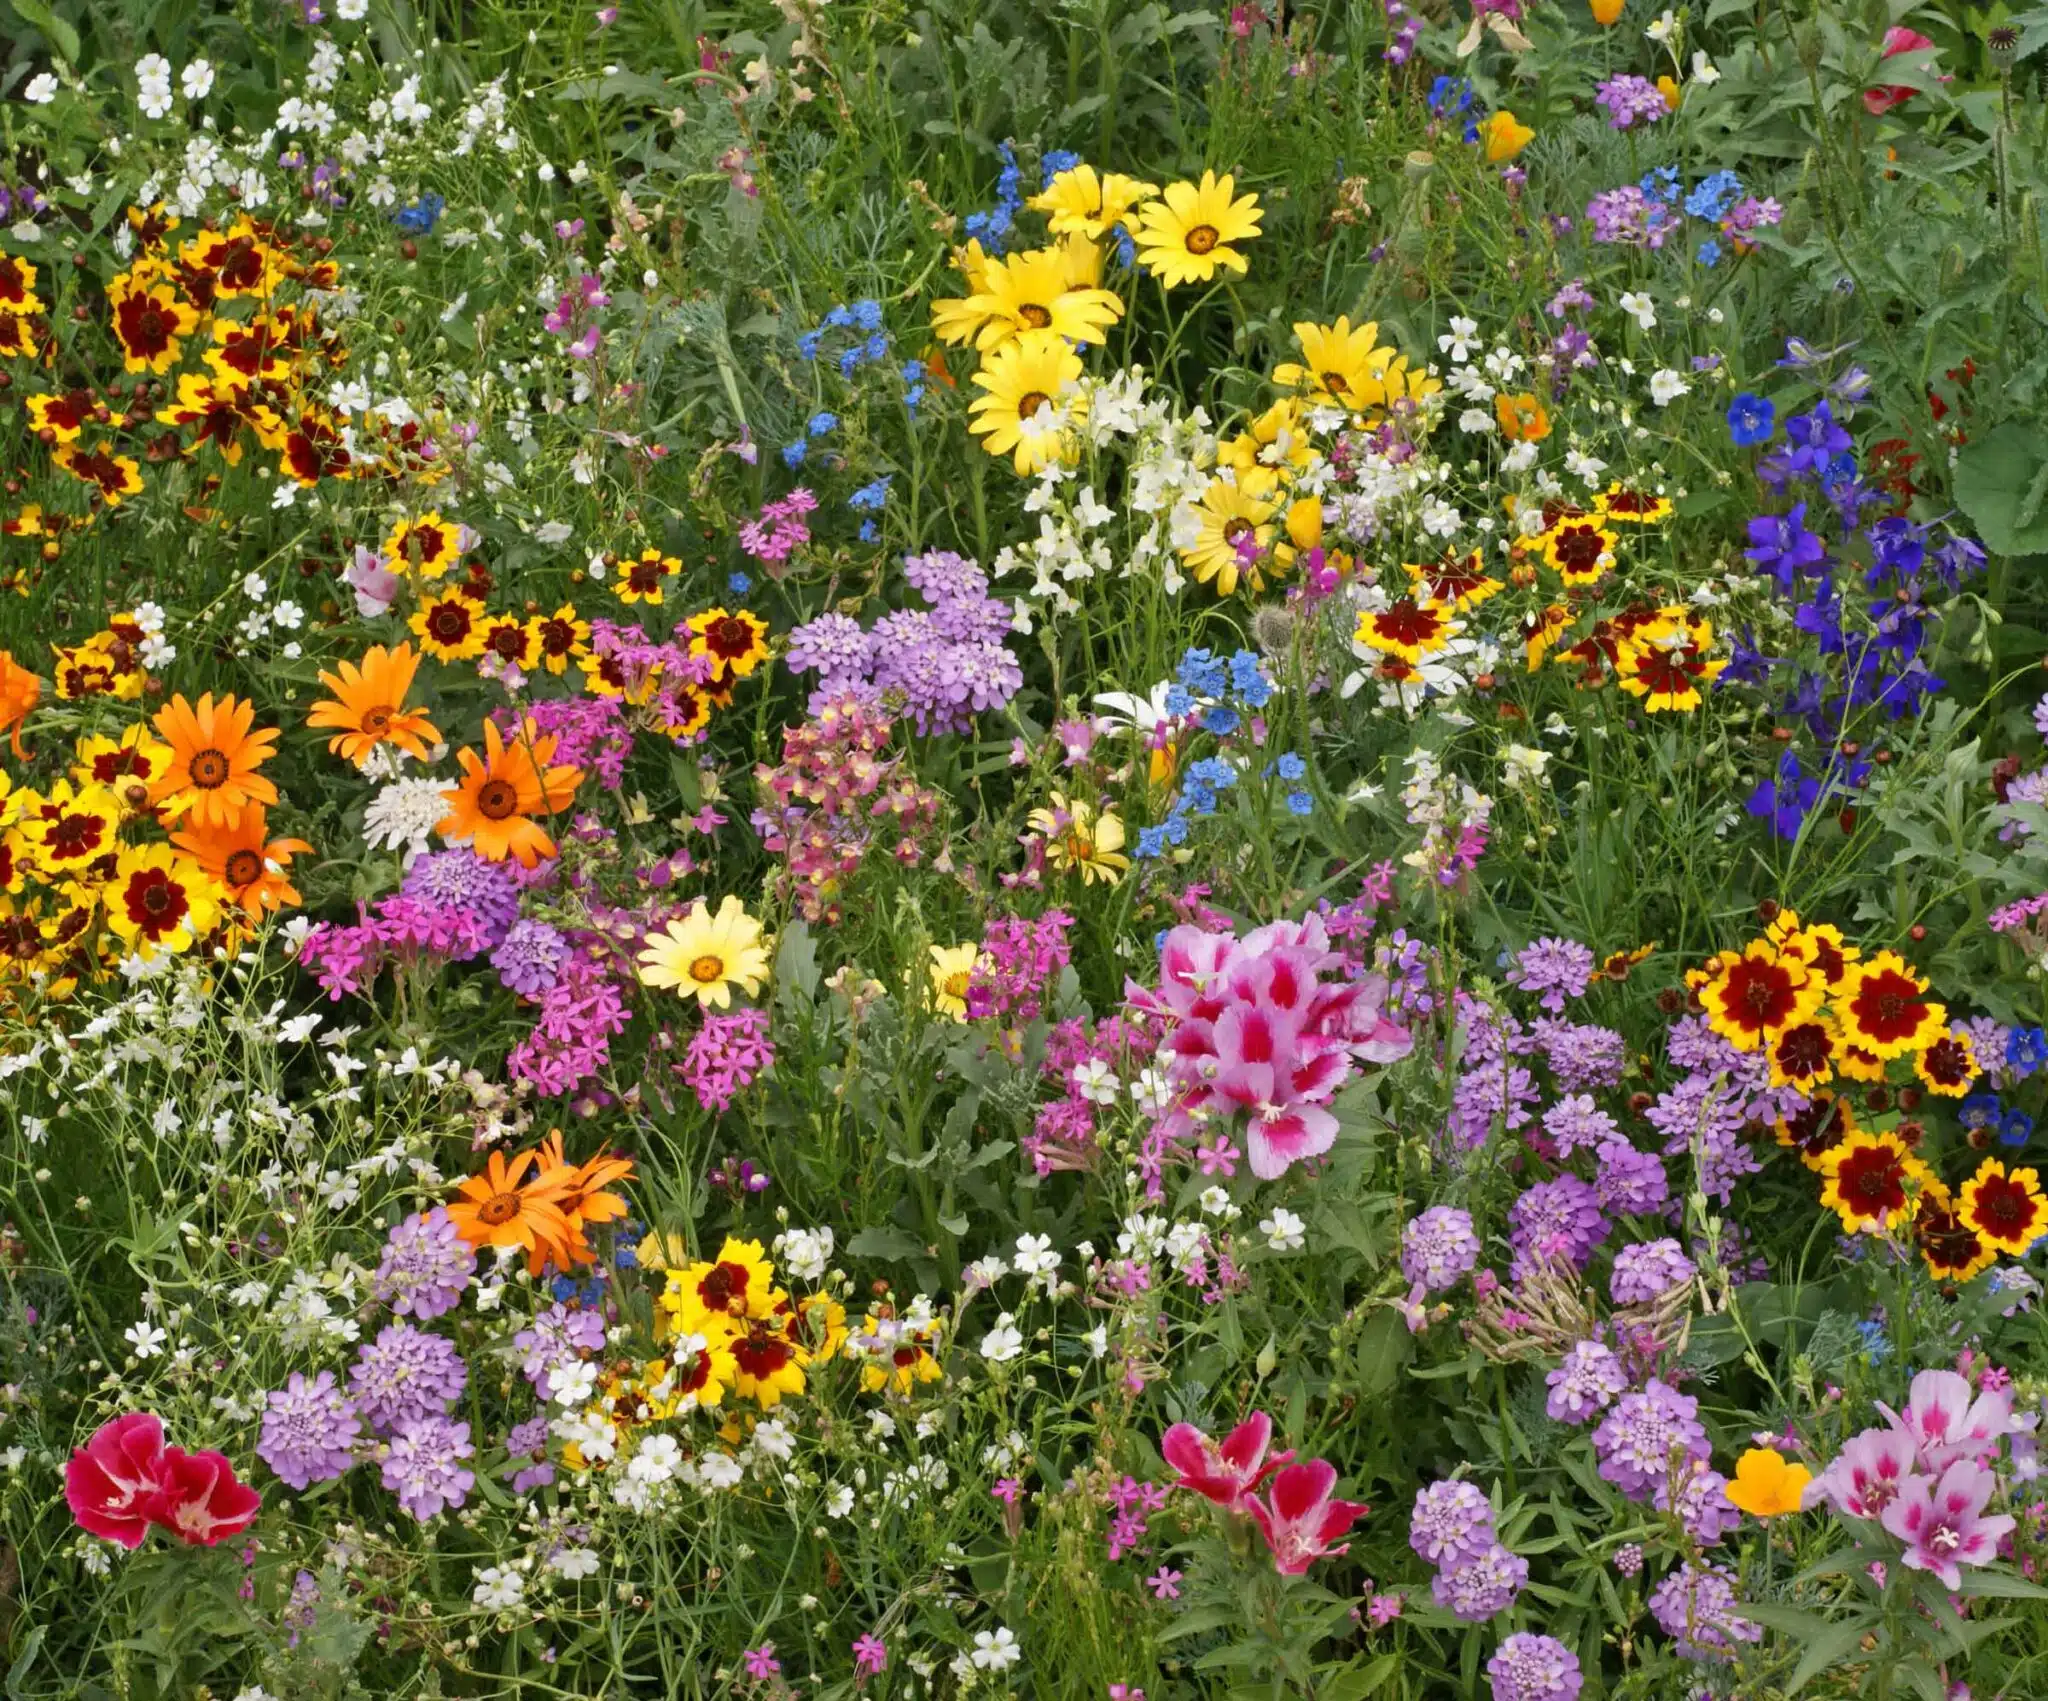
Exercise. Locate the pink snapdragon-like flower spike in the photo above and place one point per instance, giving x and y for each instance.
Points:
(1228, 1473)
(1942, 1523)
(1300, 1516)
(204, 1503)
(114, 1484)
(1866, 1475)
(1946, 1424)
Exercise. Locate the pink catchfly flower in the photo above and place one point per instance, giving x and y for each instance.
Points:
(1225, 1473)
(1943, 1523)
(1300, 1516)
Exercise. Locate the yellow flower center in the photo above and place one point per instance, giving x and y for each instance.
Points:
(955, 985)
(1034, 315)
(707, 969)
(1202, 238)
(1030, 402)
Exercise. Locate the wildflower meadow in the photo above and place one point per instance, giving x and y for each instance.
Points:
(1106, 850)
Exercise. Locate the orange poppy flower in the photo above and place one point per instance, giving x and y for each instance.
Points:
(247, 867)
(214, 758)
(20, 692)
(502, 790)
(368, 706)
(516, 1204)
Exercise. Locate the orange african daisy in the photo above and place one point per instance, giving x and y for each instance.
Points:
(248, 865)
(516, 1203)
(20, 692)
(502, 790)
(584, 1200)
(214, 758)
(368, 706)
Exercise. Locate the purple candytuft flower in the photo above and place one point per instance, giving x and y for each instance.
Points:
(1528, 1667)
(421, 1466)
(425, 1268)
(1644, 1437)
(309, 1430)
(1695, 1606)
(1557, 968)
(529, 958)
(1452, 1523)
(1585, 1383)
(1482, 1587)
(1648, 1272)
(403, 1375)
(1555, 1219)
(1439, 1248)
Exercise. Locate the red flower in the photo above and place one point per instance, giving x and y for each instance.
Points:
(1229, 1473)
(1898, 39)
(125, 1479)
(204, 1504)
(114, 1484)
(1300, 1519)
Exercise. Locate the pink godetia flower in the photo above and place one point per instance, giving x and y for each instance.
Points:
(1943, 1523)
(1254, 1029)
(114, 1484)
(205, 1503)
(1227, 1473)
(1945, 1424)
(375, 585)
(1898, 39)
(125, 1480)
(1300, 1516)
(1866, 1475)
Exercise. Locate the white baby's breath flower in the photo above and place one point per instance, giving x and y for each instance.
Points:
(1004, 1342)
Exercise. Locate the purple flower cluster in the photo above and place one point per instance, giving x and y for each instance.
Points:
(948, 663)
(1628, 218)
(1439, 1248)
(404, 1375)
(420, 1465)
(1645, 1435)
(1555, 1219)
(1706, 1109)
(1645, 1273)
(663, 677)
(1558, 969)
(1631, 100)
(425, 1268)
(1702, 1503)
(1576, 1122)
(1528, 1667)
(1490, 1083)
(1585, 1384)
(529, 958)
(461, 880)
(1695, 1606)
(560, 1335)
(1452, 1528)
(309, 1431)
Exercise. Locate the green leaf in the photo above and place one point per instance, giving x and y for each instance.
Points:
(1354, 1682)
(2001, 1583)
(39, 17)
(1827, 1648)
(882, 1241)
(2002, 483)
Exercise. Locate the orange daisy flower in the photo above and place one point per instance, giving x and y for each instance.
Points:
(368, 706)
(584, 1200)
(20, 692)
(502, 790)
(214, 758)
(516, 1203)
(244, 862)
